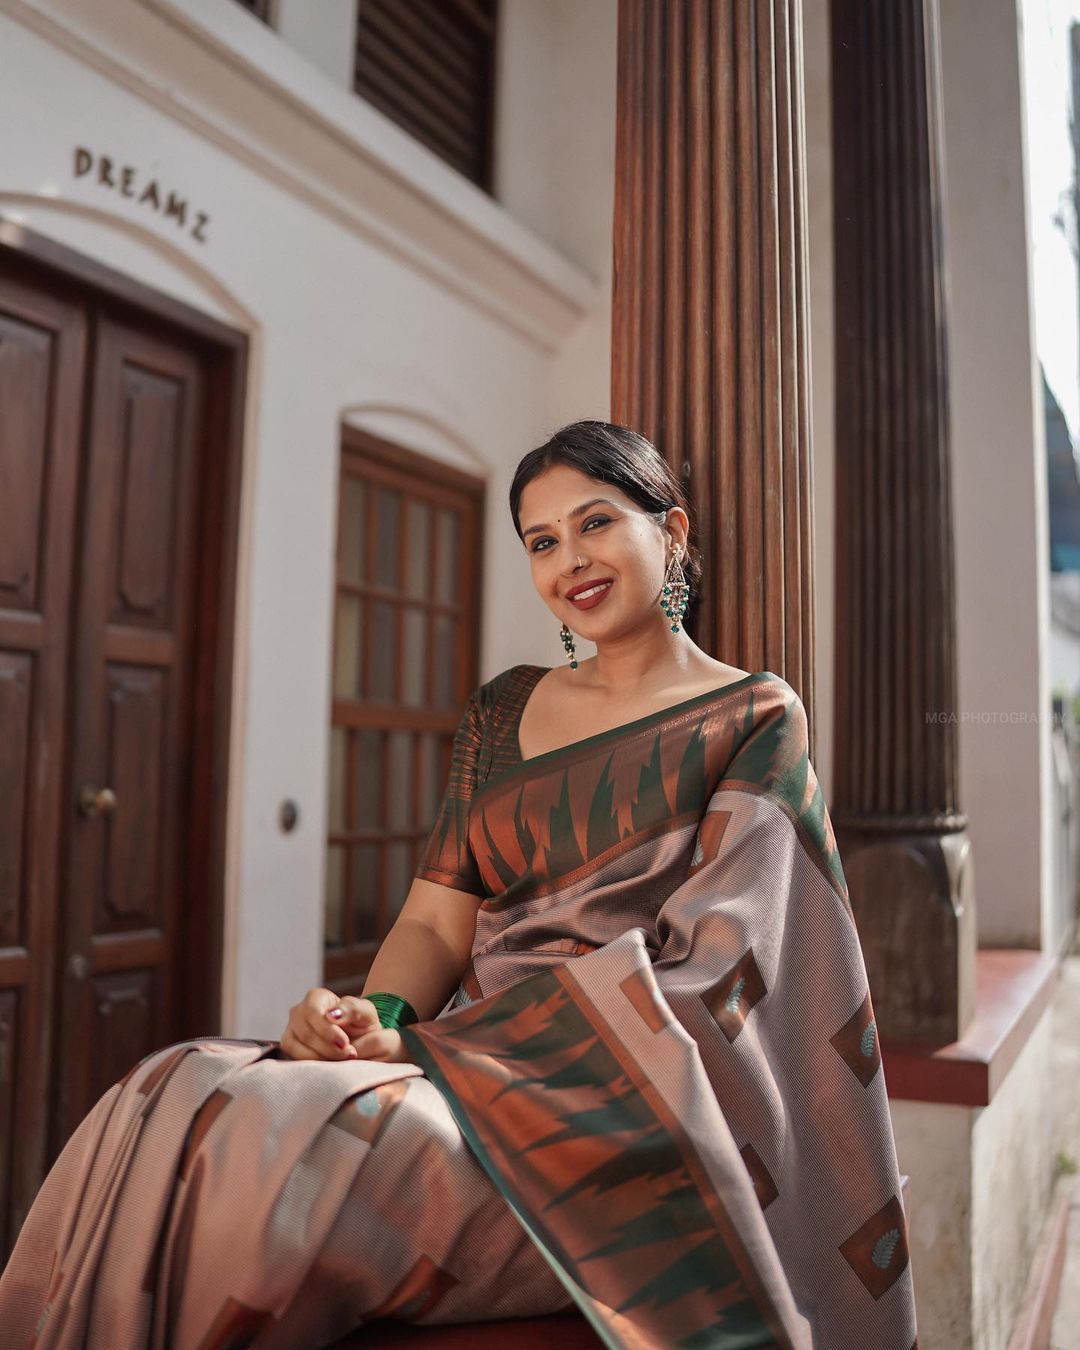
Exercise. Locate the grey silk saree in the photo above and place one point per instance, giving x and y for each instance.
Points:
(657, 1094)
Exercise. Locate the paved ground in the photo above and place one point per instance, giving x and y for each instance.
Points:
(1066, 1054)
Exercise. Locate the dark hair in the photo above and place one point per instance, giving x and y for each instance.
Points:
(624, 458)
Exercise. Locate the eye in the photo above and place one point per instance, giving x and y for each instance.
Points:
(593, 520)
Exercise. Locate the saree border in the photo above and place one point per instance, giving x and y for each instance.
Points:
(810, 845)
(689, 1152)
(553, 885)
(581, 1296)
(587, 744)
(757, 1298)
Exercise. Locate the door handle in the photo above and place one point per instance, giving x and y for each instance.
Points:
(78, 967)
(96, 802)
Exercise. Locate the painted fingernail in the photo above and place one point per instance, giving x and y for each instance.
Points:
(340, 1042)
(336, 1013)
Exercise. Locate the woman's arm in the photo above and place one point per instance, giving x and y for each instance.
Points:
(423, 957)
(421, 960)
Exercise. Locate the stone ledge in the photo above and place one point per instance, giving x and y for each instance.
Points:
(1013, 988)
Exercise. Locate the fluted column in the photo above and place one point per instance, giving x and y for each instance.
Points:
(709, 328)
(895, 798)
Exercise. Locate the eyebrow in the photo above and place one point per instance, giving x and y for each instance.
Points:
(577, 511)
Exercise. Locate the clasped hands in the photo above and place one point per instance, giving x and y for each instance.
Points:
(323, 1026)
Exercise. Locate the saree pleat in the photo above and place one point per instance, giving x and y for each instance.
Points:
(230, 1197)
(657, 1094)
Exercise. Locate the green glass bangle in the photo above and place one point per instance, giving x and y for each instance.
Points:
(393, 1012)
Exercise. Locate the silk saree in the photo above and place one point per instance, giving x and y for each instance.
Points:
(656, 1096)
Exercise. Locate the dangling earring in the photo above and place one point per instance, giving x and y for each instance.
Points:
(568, 638)
(568, 646)
(676, 592)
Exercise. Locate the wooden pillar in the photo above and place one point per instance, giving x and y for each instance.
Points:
(895, 806)
(709, 326)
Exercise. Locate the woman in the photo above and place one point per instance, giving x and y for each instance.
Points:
(656, 1092)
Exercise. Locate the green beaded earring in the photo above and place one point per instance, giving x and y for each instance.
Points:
(568, 646)
(673, 601)
(673, 598)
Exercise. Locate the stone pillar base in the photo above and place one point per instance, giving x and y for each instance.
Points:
(913, 895)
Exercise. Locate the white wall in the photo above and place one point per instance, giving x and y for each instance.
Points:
(555, 169)
(980, 1181)
(555, 131)
(1012, 1177)
(934, 1150)
(373, 282)
(322, 30)
(998, 473)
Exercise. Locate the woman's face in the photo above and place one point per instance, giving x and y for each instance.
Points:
(611, 541)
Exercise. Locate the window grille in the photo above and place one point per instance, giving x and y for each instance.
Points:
(406, 642)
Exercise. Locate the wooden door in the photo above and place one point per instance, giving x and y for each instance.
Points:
(124, 882)
(42, 361)
(119, 437)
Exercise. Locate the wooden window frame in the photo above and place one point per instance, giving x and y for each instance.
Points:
(382, 463)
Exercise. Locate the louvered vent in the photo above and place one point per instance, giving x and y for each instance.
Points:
(429, 65)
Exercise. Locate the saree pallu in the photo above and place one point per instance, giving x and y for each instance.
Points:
(657, 1095)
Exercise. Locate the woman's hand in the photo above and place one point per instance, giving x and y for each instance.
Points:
(359, 1019)
(323, 1026)
(311, 1034)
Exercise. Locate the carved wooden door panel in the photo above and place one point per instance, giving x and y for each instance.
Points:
(122, 894)
(120, 435)
(42, 364)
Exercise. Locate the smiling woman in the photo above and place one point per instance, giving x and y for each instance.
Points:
(633, 538)
(612, 567)
(655, 1094)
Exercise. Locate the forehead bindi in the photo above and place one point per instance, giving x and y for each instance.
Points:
(574, 513)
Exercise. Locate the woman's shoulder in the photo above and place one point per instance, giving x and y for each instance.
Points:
(508, 690)
(782, 694)
(772, 702)
(773, 741)
(523, 673)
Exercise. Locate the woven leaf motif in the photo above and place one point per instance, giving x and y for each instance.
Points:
(732, 1002)
(367, 1103)
(857, 1041)
(735, 994)
(878, 1251)
(884, 1248)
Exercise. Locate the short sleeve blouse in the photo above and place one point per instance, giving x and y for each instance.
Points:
(448, 857)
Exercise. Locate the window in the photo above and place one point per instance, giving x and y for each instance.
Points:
(429, 65)
(405, 661)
